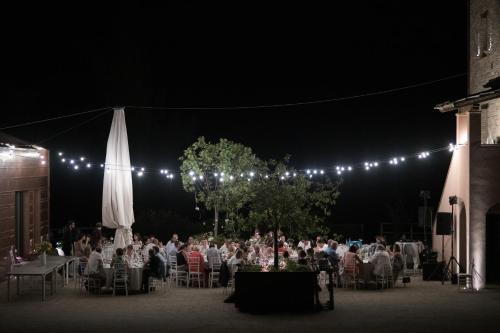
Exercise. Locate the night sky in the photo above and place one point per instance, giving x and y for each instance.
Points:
(224, 54)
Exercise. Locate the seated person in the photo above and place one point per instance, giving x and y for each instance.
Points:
(281, 247)
(151, 269)
(131, 256)
(302, 258)
(380, 259)
(351, 261)
(95, 266)
(397, 262)
(213, 256)
(235, 261)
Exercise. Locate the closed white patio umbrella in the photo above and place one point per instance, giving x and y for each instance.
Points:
(117, 193)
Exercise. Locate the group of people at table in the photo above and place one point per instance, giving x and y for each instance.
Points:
(155, 258)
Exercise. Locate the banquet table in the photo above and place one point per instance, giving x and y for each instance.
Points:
(34, 268)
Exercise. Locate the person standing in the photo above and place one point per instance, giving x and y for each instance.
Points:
(96, 237)
(69, 237)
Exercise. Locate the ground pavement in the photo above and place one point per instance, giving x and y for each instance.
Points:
(422, 307)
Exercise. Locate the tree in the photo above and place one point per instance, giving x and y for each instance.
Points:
(219, 175)
(286, 199)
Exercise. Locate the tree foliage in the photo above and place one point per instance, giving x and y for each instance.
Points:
(218, 174)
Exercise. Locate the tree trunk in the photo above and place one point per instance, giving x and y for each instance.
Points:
(216, 220)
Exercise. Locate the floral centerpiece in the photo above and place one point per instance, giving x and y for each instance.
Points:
(43, 248)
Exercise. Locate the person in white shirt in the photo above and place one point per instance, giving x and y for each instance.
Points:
(95, 266)
(380, 259)
(171, 243)
(235, 260)
(213, 255)
(304, 244)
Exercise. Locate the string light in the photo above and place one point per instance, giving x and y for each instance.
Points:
(43, 162)
(222, 176)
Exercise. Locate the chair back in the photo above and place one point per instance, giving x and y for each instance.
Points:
(173, 262)
(387, 271)
(193, 264)
(120, 271)
(350, 266)
(215, 266)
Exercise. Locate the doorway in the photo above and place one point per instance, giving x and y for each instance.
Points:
(493, 245)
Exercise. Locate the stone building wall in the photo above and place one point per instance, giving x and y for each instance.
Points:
(484, 42)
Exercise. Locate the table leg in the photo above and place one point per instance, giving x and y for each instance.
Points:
(43, 287)
(52, 278)
(8, 288)
(17, 285)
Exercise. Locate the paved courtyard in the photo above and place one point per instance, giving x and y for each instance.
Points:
(420, 307)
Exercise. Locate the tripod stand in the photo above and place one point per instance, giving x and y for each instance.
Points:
(448, 269)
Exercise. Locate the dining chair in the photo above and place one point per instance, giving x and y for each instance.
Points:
(194, 272)
(176, 273)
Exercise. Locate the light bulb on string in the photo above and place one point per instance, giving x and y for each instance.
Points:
(339, 172)
(287, 173)
(142, 169)
(72, 161)
(201, 177)
(89, 165)
(60, 154)
(294, 174)
(349, 168)
(221, 179)
(161, 171)
(315, 171)
(216, 174)
(140, 173)
(76, 167)
(308, 171)
(63, 160)
(43, 162)
(231, 177)
(375, 164)
(282, 177)
(451, 147)
(321, 172)
(241, 175)
(222, 174)
(132, 168)
(191, 173)
(252, 174)
(82, 158)
(402, 159)
(102, 166)
(194, 179)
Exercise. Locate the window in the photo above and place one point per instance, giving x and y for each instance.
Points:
(484, 40)
(490, 122)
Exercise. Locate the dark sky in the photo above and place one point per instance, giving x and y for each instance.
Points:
(62, 62)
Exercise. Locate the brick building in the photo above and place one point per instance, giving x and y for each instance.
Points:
(474, 172)
(24, 197)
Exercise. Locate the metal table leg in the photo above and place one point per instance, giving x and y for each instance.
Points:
(8, 288)
(43, 287)
(17, 285)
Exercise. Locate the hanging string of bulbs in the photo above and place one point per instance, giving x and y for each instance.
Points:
(82, 163)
